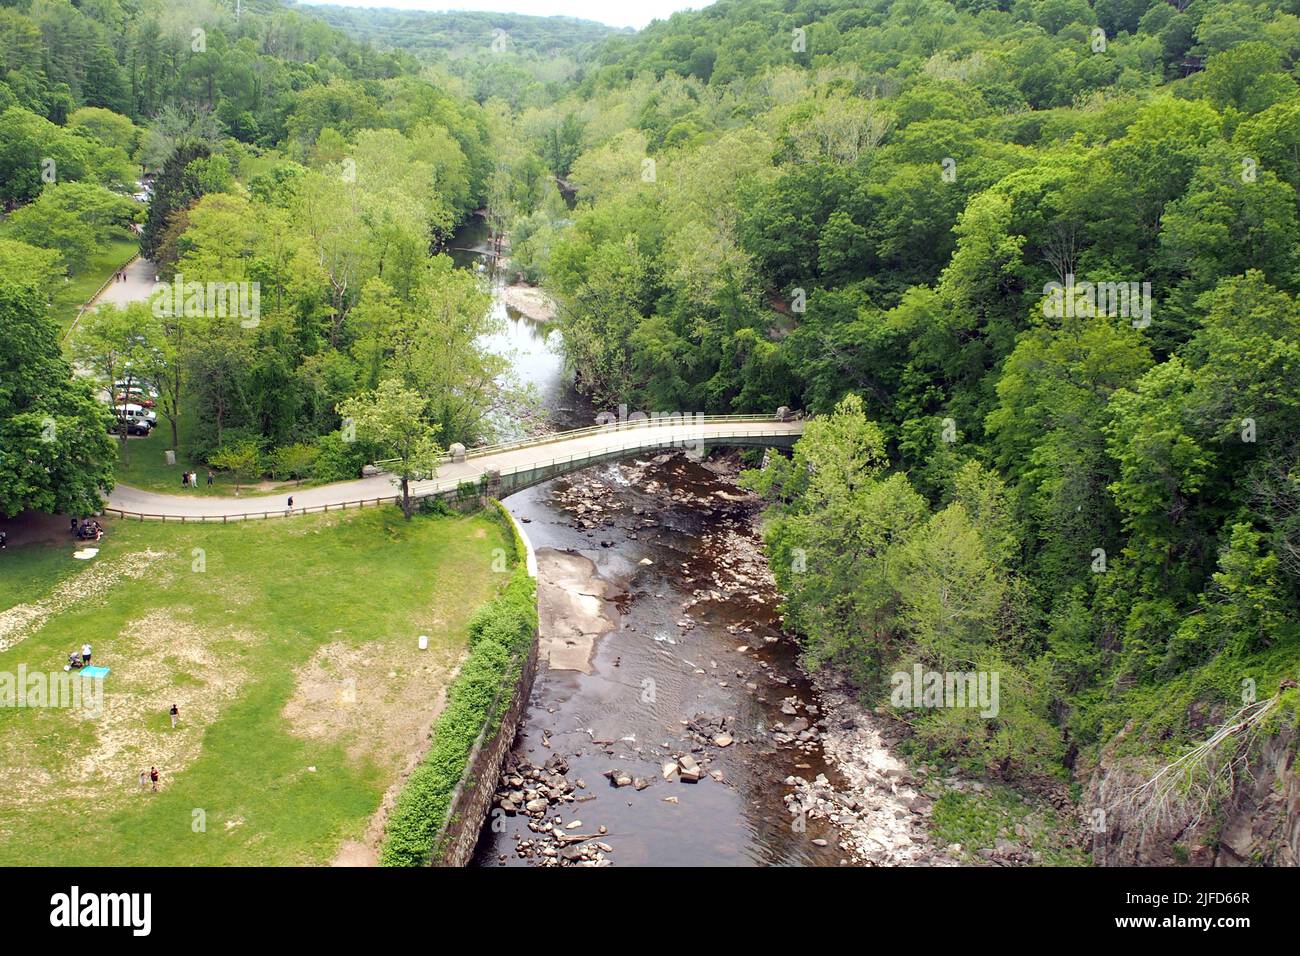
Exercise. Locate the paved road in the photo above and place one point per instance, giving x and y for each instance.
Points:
(582, 447)
(140, 276)
(139, 282)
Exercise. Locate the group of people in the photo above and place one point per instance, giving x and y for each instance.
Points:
(87, 529)
(78, 660)
(120, 276)
(190, 479)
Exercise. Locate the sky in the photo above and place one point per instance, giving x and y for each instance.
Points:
(616, 13)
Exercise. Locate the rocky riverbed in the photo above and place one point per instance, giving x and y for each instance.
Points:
(672, 724)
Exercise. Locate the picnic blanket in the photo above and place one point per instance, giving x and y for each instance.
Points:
(94, 671)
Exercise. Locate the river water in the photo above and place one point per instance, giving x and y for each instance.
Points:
(692, 632)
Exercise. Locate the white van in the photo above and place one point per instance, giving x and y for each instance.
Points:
(135, 413)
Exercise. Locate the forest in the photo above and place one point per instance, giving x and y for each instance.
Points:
(277, 153)
(911, 219)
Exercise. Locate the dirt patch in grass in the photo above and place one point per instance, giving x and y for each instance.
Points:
(21, 620)
(156, 661)
(379, 700)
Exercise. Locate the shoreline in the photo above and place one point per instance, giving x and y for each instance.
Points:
(529, 301)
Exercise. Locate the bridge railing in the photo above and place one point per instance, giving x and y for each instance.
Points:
(667, 420)
(442, 486)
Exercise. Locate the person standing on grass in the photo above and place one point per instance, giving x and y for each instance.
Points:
(211, 475)
(85, 654)
(144, 779)
(153, 776)
(175, 714)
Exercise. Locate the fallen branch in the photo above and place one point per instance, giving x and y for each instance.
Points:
(1193, 783)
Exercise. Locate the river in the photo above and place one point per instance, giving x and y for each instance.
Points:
(661, 551)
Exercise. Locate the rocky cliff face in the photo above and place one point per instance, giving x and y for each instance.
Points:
(1258, 824)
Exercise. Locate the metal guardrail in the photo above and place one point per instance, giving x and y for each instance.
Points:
(554, 437)
(442, 486)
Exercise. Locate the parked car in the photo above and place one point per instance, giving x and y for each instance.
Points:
(132, 412)
(138, 391)
(134, 426)
(138, 398)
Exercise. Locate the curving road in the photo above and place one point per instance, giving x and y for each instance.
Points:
(519, 464)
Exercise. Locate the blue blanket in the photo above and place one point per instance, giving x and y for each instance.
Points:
(94, 671)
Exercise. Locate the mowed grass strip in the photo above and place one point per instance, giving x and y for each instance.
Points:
(230, 643)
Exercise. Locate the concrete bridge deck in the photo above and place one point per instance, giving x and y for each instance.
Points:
(509, 468)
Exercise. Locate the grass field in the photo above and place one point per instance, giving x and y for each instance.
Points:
(290, 647)
(105, 260)
(146, 466)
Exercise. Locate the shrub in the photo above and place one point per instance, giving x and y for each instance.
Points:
(337, 460)
(293, 461)
(500, 634)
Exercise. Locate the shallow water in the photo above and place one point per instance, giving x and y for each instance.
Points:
(643, 682)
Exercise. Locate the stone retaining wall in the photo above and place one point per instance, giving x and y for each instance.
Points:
(472, 800)
(455, 842)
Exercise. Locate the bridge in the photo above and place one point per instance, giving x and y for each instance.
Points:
(498, 470)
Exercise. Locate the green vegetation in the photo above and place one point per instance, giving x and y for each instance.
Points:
(299, 181)
(146, 466)
(54, 445)
(253, 636)
(518, 58)
(872, 212)
(977, 821)
(500, 635)
(102, 264)
(1031, 262)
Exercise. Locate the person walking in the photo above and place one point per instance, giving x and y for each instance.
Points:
(144, 779)
(185, 479)
(289, 509)
(175, 714)
(153, 777)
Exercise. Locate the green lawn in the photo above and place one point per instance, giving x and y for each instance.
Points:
(290, 647)
(147, 466)
(106, 260)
